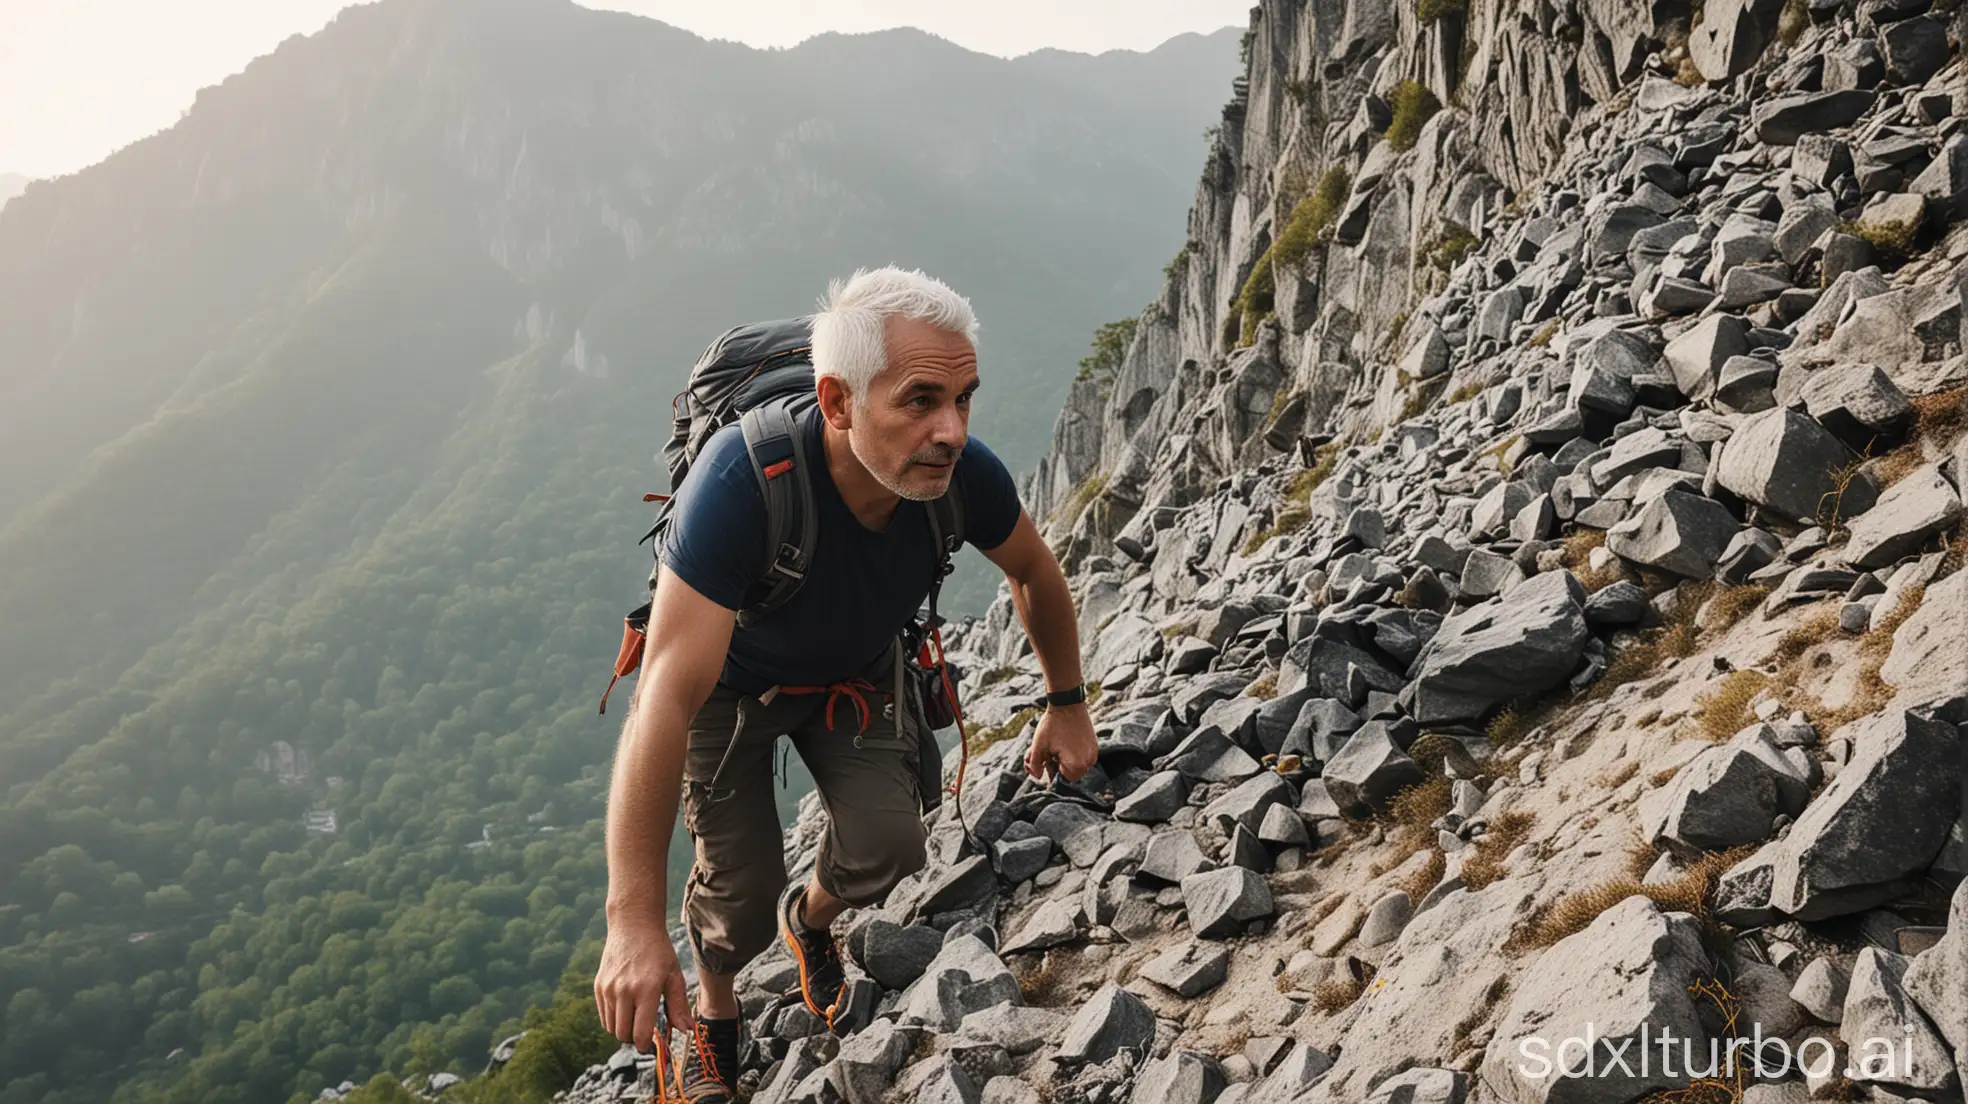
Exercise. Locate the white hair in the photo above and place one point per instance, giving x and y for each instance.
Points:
(848, 329)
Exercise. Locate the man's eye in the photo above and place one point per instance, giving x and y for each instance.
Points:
(922, 401)
(964, 399)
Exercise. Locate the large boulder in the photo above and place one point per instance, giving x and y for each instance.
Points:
(1732, 34)
(1675, 531)
(1891, 1042)
(1369, 769)
(1629, 972)
(1786, 462)
(967, 976)
(1516, 646)
(1112, 1020)
(1917, 507)
(1730, 795)
(1220, 902)
(1696, 357)
(1878, 824)
(1928, 662)
(1938, 978)
(1781, 120)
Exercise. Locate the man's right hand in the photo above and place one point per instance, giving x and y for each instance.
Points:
(638, 977)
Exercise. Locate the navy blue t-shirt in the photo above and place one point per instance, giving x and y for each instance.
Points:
(863, 584)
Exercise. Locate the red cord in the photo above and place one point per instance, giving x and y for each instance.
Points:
(963, 737)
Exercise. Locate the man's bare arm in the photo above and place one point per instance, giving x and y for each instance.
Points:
(682, 657)
(1045, 605)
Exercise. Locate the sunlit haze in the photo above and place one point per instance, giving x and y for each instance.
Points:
(82, 78)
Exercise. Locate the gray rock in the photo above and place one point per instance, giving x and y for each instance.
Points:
(1781, 120)
(1512, 647)
(1678, 532)
(895, 955)
(1730, 795)
(1015, 1029)
(1183, 1077)
(1928, 661)
(1602, 376)
(1857, 402)
(1370, 769)
(1749, 551)
(1074, 829)
(965, 883)
(1386, 919)
(869, 1059)
(1732, 35)
(1171, 856)
(1248, 802)
(1422, 1086)
(1192, 696)
(1282, 827)
(1113, 1019)
(943, 1081)
(1747, 385)
(1877, 1007)
(1944, 182)
(1785, 461)
(1820, 989)
(1207, 755)
(1632, 968)
(1189, 656)
(1914, 49)
(1882, 820)
(1189, 969)
(1155, 800)
(1495, 509)
(1938, 978)
(1052, 924)
(1916, 508)
(1487, 574)
(1024, 858)
(1220, 902)
(1696, 357)
(1616, 606)
(966, 976)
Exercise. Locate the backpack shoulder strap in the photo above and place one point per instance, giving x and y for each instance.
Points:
(776, 446)
(946, 531)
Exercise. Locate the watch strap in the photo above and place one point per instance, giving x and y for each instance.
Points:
(1072, 695)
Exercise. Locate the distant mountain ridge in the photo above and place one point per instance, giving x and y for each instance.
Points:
(11, 185)
(324, 420)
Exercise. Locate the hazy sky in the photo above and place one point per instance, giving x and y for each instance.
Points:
(81, 78)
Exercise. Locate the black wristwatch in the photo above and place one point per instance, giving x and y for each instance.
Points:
(1072, 695)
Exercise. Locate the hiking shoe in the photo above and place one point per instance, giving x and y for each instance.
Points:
(710, 1069)
(816, 954)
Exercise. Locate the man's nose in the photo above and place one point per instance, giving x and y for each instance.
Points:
(951, 429)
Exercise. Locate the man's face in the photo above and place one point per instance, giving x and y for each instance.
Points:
(917, 417)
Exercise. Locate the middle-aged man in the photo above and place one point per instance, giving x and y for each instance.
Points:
(895, 367)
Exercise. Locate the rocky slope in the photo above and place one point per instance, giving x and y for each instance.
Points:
(1528, 609)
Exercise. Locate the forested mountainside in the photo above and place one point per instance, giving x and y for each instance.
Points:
(1522, 554)
(325, 417)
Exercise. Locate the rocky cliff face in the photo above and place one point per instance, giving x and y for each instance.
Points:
(1521, 555)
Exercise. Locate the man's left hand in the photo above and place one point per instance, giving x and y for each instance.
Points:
(1064, 743)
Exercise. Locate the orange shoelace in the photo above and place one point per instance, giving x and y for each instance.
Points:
(852, 688)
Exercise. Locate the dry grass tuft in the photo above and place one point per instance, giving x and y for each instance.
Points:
(1332, 996)
(1612, 778)
(1425, 877)
(1514, 723)
(1421, 804)
(1734, 603)
(1264, 687)
(1485, 865)
(1872, 691)
(1578, 550)
(1692, 892)
(1640, 858)
(1544, 335)
(1724, 710)
(1466, 392)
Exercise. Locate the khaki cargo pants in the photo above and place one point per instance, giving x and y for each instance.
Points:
(867, 782)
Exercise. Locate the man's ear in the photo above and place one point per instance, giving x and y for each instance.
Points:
(836, 404)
